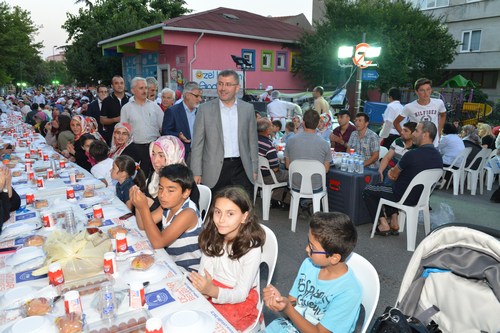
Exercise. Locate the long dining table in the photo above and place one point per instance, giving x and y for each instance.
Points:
(167, 289)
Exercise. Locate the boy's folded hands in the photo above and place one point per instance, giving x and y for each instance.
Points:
(273, 299)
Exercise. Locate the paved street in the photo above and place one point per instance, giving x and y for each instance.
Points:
(387, 254)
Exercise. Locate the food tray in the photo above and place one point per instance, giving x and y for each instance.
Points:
(85, 286)
(132, 321)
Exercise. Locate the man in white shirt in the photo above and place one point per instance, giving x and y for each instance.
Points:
(388, 132)
(424, 108)
(39, 98)
(145, 117)
(281, 110)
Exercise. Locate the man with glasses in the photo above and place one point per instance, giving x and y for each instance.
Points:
(178, 120)
(94, 109)
(225, 149)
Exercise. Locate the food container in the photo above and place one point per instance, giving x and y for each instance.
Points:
(56, 276)
(110, 263)
(72, 302)
(85, 286)
(132, 321)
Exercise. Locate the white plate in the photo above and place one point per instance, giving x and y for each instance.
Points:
(35, 324)
(154, 274)
(18, 228)
(16, 294)
(188, 321)
(24, 254)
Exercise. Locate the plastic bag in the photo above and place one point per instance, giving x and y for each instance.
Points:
(443, 215)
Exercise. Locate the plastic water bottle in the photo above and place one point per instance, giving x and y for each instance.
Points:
(343, 164)
(107, 299)
(350, 164)
(361, 165)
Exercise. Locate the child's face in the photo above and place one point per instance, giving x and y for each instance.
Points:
(158, 158)
(170, 194)
(86, 145)
(316, 252)
(116, 174)
(228, 218)
(275, 129)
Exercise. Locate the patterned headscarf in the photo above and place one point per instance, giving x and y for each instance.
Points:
(92, 128)
(115, 150)
(470, 133)
(174, 151)
(327, 120)
(41, 115)
(83, 126)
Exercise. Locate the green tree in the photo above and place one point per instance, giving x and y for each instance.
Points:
(19, 56)
(104, 19)
(413, 44)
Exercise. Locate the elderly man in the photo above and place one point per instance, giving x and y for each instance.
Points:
(167, 98)
(111, 107)
(365, 141)
(320, 103)
(152, 88)
(412, 163)
(267, 150)
(225, 149)
(179, 119)
(281, 110)
(145, 117)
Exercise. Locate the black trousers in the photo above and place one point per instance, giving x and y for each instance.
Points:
(233, 174)
(372, 195)
(141, 154)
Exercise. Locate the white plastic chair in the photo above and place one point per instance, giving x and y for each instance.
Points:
(492, 169)
(473, 175)
(307, 168)
(382, 152)
(427, 178)
(267, 189)
(457, 174)
(367, 277)
(269, 256)
(205, 200)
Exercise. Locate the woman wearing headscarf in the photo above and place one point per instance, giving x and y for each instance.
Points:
(40, 122)
(122, 138)
(471, 139)
(299, 127)
(75, 150)
(164, 151)
(324, 127)
(92, 128)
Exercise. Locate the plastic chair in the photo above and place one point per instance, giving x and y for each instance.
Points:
(410, 213)
(205, 200)
(382, 152)
(457, 174)
(267, 189)
(474, 174)
(492, 169)
(307, 168)
(367, 277)
(269, 257)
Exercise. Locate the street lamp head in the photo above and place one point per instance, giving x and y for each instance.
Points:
(373, 51)
(345, 52)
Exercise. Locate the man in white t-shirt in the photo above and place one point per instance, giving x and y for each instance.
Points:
(281, 110)
(424, 108)
(393, 110)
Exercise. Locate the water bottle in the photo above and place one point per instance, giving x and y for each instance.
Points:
(343, 164)
(361, 164)
(356, 163)
(107, 301)
(350, 164)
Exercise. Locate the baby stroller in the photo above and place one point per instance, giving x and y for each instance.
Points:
(453, 279)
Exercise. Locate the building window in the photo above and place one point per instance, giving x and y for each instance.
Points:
(473, 1)
(281, 63)
(471, 41)
(429, 4)
(267, 60)
(249, 56)
(294, 61)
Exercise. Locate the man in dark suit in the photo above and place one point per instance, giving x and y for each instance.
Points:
(94, 109)
(179, 119)
(225, 147)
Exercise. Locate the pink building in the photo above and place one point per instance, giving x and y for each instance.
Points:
(195, 47)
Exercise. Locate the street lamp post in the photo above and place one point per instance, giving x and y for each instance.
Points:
(361, 53)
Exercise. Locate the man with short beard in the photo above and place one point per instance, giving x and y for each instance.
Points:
(111, 107)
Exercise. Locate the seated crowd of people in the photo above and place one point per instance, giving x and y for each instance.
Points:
(155, 153)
